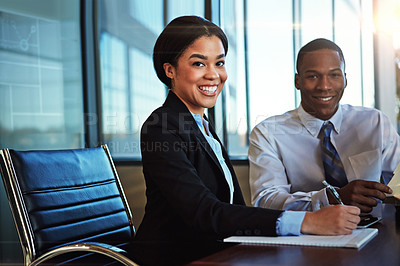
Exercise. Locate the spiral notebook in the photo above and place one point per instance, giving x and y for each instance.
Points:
(357, 239)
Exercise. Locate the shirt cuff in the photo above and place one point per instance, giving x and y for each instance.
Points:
(319, 200)
(289, 223)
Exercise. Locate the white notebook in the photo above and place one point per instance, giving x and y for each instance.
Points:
(357, 239)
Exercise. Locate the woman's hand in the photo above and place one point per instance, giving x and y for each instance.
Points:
(331, 220)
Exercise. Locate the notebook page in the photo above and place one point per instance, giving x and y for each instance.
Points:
(357, 239)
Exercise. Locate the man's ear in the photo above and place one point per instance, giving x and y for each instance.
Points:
(297, 81)
(169, 70)
(345, 81)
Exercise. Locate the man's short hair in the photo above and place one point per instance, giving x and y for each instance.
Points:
(315, 45)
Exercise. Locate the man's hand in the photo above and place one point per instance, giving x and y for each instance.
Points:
(331, 220)
(363, 194)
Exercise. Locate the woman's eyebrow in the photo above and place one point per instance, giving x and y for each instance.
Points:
(198, 56)
(205, 57)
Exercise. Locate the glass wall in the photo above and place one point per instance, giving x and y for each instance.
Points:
(276, 34)
(41, 102)
(41, 93)
(176, 8)
(316, 19)
(130, 89)
(355, 36)
(232, 115)
(270, 58)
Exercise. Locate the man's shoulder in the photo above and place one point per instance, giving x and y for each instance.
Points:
(278, 123)
(358, 111)
(282, 119)
(350, 107)
(354, 115)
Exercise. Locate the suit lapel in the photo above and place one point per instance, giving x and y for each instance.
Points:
(237, 195)
(177, 105)
(204, 143)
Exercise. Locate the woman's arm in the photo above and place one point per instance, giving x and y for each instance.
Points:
(175, 162)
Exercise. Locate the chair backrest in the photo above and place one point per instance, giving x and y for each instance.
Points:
(65, 196)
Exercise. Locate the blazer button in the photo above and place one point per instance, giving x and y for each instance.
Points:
(257, 232)
(247, 232)
(239, 232)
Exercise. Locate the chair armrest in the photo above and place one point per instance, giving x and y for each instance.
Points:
(95, 247)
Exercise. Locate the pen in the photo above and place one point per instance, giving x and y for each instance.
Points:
(333, 192)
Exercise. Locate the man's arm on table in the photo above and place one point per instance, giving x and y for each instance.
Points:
(268, 181)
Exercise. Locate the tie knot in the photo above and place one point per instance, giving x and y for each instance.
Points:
(327, 128)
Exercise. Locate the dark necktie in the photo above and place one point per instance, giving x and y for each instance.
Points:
(334, 171)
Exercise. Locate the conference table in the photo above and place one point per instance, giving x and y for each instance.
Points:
(383, 249)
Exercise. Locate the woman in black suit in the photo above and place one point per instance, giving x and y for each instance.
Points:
(192, 191)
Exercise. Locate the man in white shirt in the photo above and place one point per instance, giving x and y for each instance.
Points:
(285, 153)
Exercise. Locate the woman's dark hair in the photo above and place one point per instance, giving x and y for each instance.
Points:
(177, 36)
(318, 44)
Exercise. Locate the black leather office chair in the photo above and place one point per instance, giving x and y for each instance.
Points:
(67, 201)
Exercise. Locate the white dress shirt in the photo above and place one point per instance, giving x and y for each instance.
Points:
(216, 147)
(286, 170)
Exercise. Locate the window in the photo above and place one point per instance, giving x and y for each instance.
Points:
(274, 36)
(270, 59)
(176, 8)
(231, 111)
(357, 45)
(130, 89)
(41, 102)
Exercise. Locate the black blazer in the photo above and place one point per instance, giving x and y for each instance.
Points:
(187, 193)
